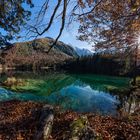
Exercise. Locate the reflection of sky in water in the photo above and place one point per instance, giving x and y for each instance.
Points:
(85, 99)
(77, 96)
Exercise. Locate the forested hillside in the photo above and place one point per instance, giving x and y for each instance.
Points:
(34, 54)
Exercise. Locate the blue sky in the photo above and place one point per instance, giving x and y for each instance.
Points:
(68, 36)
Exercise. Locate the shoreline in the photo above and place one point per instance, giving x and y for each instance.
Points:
(20, 119)
(30, 120)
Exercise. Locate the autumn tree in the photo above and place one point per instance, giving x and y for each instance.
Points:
(12, 16)
(65, 10)
(107, 23)
(110, 24)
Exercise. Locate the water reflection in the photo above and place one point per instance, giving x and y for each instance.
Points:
(81, 93)
(85, 99)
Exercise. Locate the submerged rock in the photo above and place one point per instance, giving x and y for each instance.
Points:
(12, 81)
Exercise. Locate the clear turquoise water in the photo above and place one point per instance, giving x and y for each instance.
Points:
(81, 93)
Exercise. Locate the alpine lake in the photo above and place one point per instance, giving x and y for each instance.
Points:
(77, 92)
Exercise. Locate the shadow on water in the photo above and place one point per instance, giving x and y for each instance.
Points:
(81, 93)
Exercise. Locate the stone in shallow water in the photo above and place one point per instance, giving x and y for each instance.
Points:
(12, 81)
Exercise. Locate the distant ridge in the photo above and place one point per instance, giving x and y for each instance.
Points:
(83, 52)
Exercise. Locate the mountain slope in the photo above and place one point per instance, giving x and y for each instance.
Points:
(34, 53)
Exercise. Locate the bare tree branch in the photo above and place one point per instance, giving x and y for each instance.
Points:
(90, 10)
(42, 11)
(62, 25)
(51, 19)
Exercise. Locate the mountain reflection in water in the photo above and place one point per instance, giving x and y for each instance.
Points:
(81, 93)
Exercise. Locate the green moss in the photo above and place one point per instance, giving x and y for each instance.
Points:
(79, 122)
(99, 138)
(78, 125)
(115, 89)
(138, 79)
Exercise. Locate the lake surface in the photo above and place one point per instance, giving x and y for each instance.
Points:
(78, 92)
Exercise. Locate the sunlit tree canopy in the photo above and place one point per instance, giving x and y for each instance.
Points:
(106, 23)
(112, 23)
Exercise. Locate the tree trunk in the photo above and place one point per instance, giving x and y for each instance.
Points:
(45, 123)
(135, 67)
